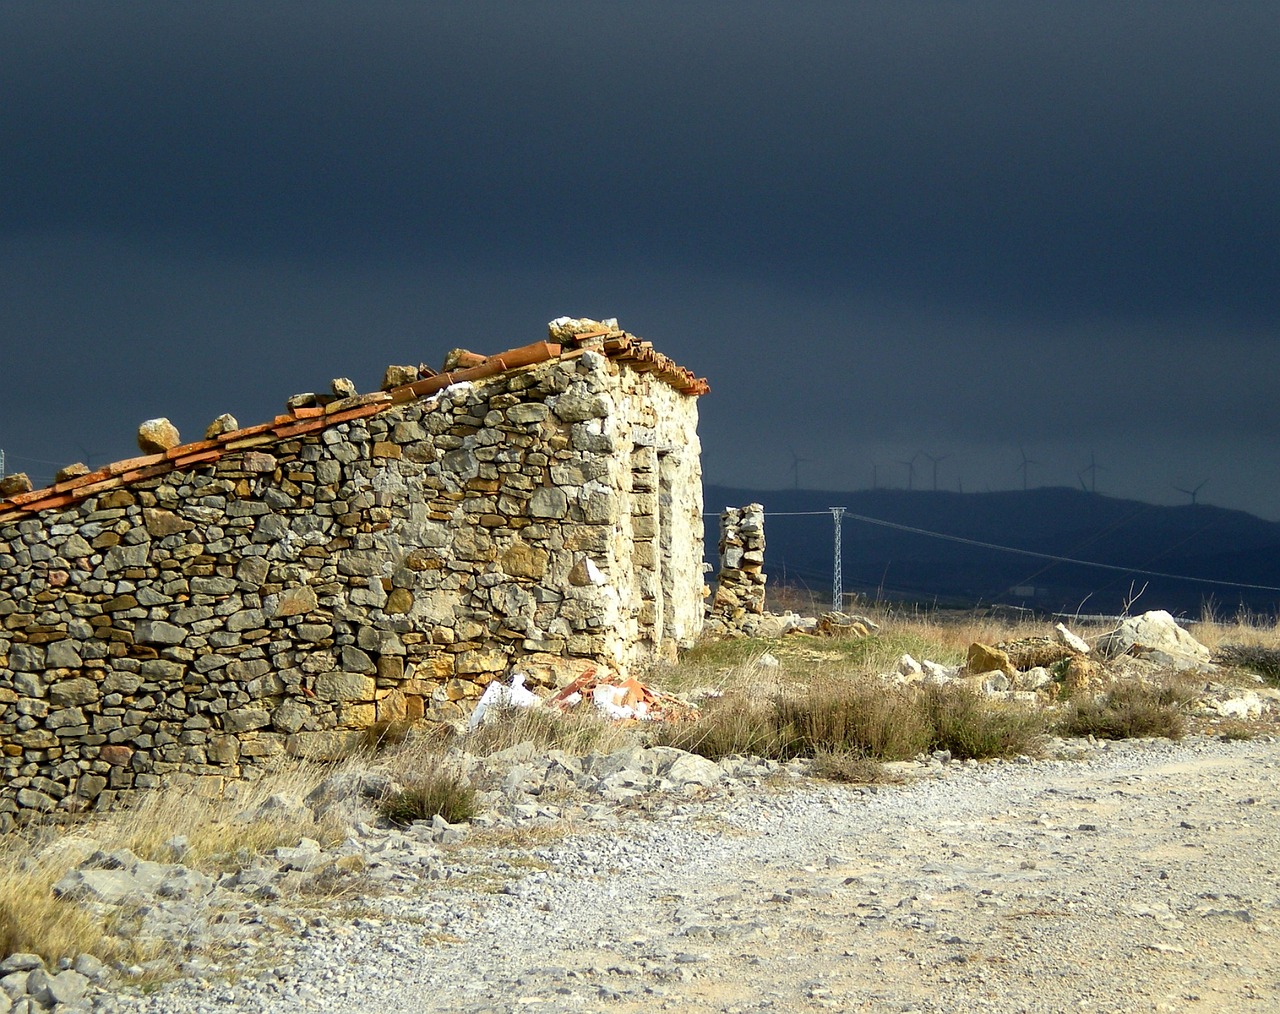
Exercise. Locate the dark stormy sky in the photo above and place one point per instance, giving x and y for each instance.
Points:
(978, 230)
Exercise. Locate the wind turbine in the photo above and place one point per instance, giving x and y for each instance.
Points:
(935, 459)
(911, 470)
(1193, 492)
(1092, 471)
(1023, 466)
(796, 461)
(875, 476)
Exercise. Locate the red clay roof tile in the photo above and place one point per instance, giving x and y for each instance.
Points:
(616, 344)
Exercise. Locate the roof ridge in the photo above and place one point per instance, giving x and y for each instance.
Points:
(613, 343)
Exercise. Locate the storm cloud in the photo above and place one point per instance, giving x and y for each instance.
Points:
(982, 231)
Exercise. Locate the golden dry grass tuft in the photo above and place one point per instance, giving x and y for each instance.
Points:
(578, 731)
(218, 838)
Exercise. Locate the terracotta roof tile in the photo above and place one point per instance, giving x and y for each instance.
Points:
(616, 344)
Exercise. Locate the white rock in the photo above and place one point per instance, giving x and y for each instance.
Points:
(908, 666)
(938, 672)
(1064, 636)
(1157, 636)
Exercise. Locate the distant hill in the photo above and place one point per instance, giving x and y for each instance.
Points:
(1192, 542)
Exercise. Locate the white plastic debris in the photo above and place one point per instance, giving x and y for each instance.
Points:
(609, 700)
(498, 696)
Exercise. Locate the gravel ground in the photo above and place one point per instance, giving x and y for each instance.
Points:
(1141, 877)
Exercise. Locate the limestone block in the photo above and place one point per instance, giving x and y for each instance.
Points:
(122, 557)
(548, 502)
(27, 658)
(585, 572)
(345, 686)
(357, 715)
(157, 435)
(290, 602)
(258, 461)
(399, 602)
(352, 659)
(599, 505)
(472, 544)
(158, 632)
(983, 658)
(65, 718)
(398, 376)
(323, 746)
(224, 749)
(15, 483)
(392, 707)
(523, 560)
(225, 423)
(481, 660)
(116, 755)
(290, 716)
(527, 413)
(73, 693)
(75, 548)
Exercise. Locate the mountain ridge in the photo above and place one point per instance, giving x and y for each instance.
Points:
(1186, 557)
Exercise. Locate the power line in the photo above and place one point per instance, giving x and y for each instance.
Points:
(1059, 559)
(896, 526)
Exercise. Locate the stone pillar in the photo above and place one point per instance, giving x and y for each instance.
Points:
(740, 584)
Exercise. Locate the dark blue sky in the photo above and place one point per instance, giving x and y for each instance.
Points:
(879, 229)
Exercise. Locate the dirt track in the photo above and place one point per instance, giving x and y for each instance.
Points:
(1142, 878)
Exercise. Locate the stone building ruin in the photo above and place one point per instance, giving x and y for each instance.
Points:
(273, 589)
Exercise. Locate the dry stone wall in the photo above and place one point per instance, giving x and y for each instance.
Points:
(740, 584)
(190, 626)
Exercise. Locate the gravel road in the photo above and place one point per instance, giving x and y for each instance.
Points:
(1141, 877)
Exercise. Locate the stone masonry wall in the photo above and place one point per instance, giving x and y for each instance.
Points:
(740, 584)
(190, 626)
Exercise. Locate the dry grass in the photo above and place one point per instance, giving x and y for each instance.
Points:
(858, 717)
(32, 920)
(1128, 710)
(733, 725)
(1256, 658)
(854, 716)
(970, 726)
(846, 766)
(580, 731)
(441, 789)
(1235, 730)
(31, 862)
(217, 829)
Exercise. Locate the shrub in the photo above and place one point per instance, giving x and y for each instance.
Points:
(441, 790)
(860, 716)
(865, 719)
(1256, 658)
(1127, 711)
(970, 726)
(729, 725)
(847, 766)
(1236, 729)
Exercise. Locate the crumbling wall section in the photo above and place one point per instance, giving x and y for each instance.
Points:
(190, 626)
(659, 537)
(740, 584)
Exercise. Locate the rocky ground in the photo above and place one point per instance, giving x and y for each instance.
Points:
(1139, 876)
